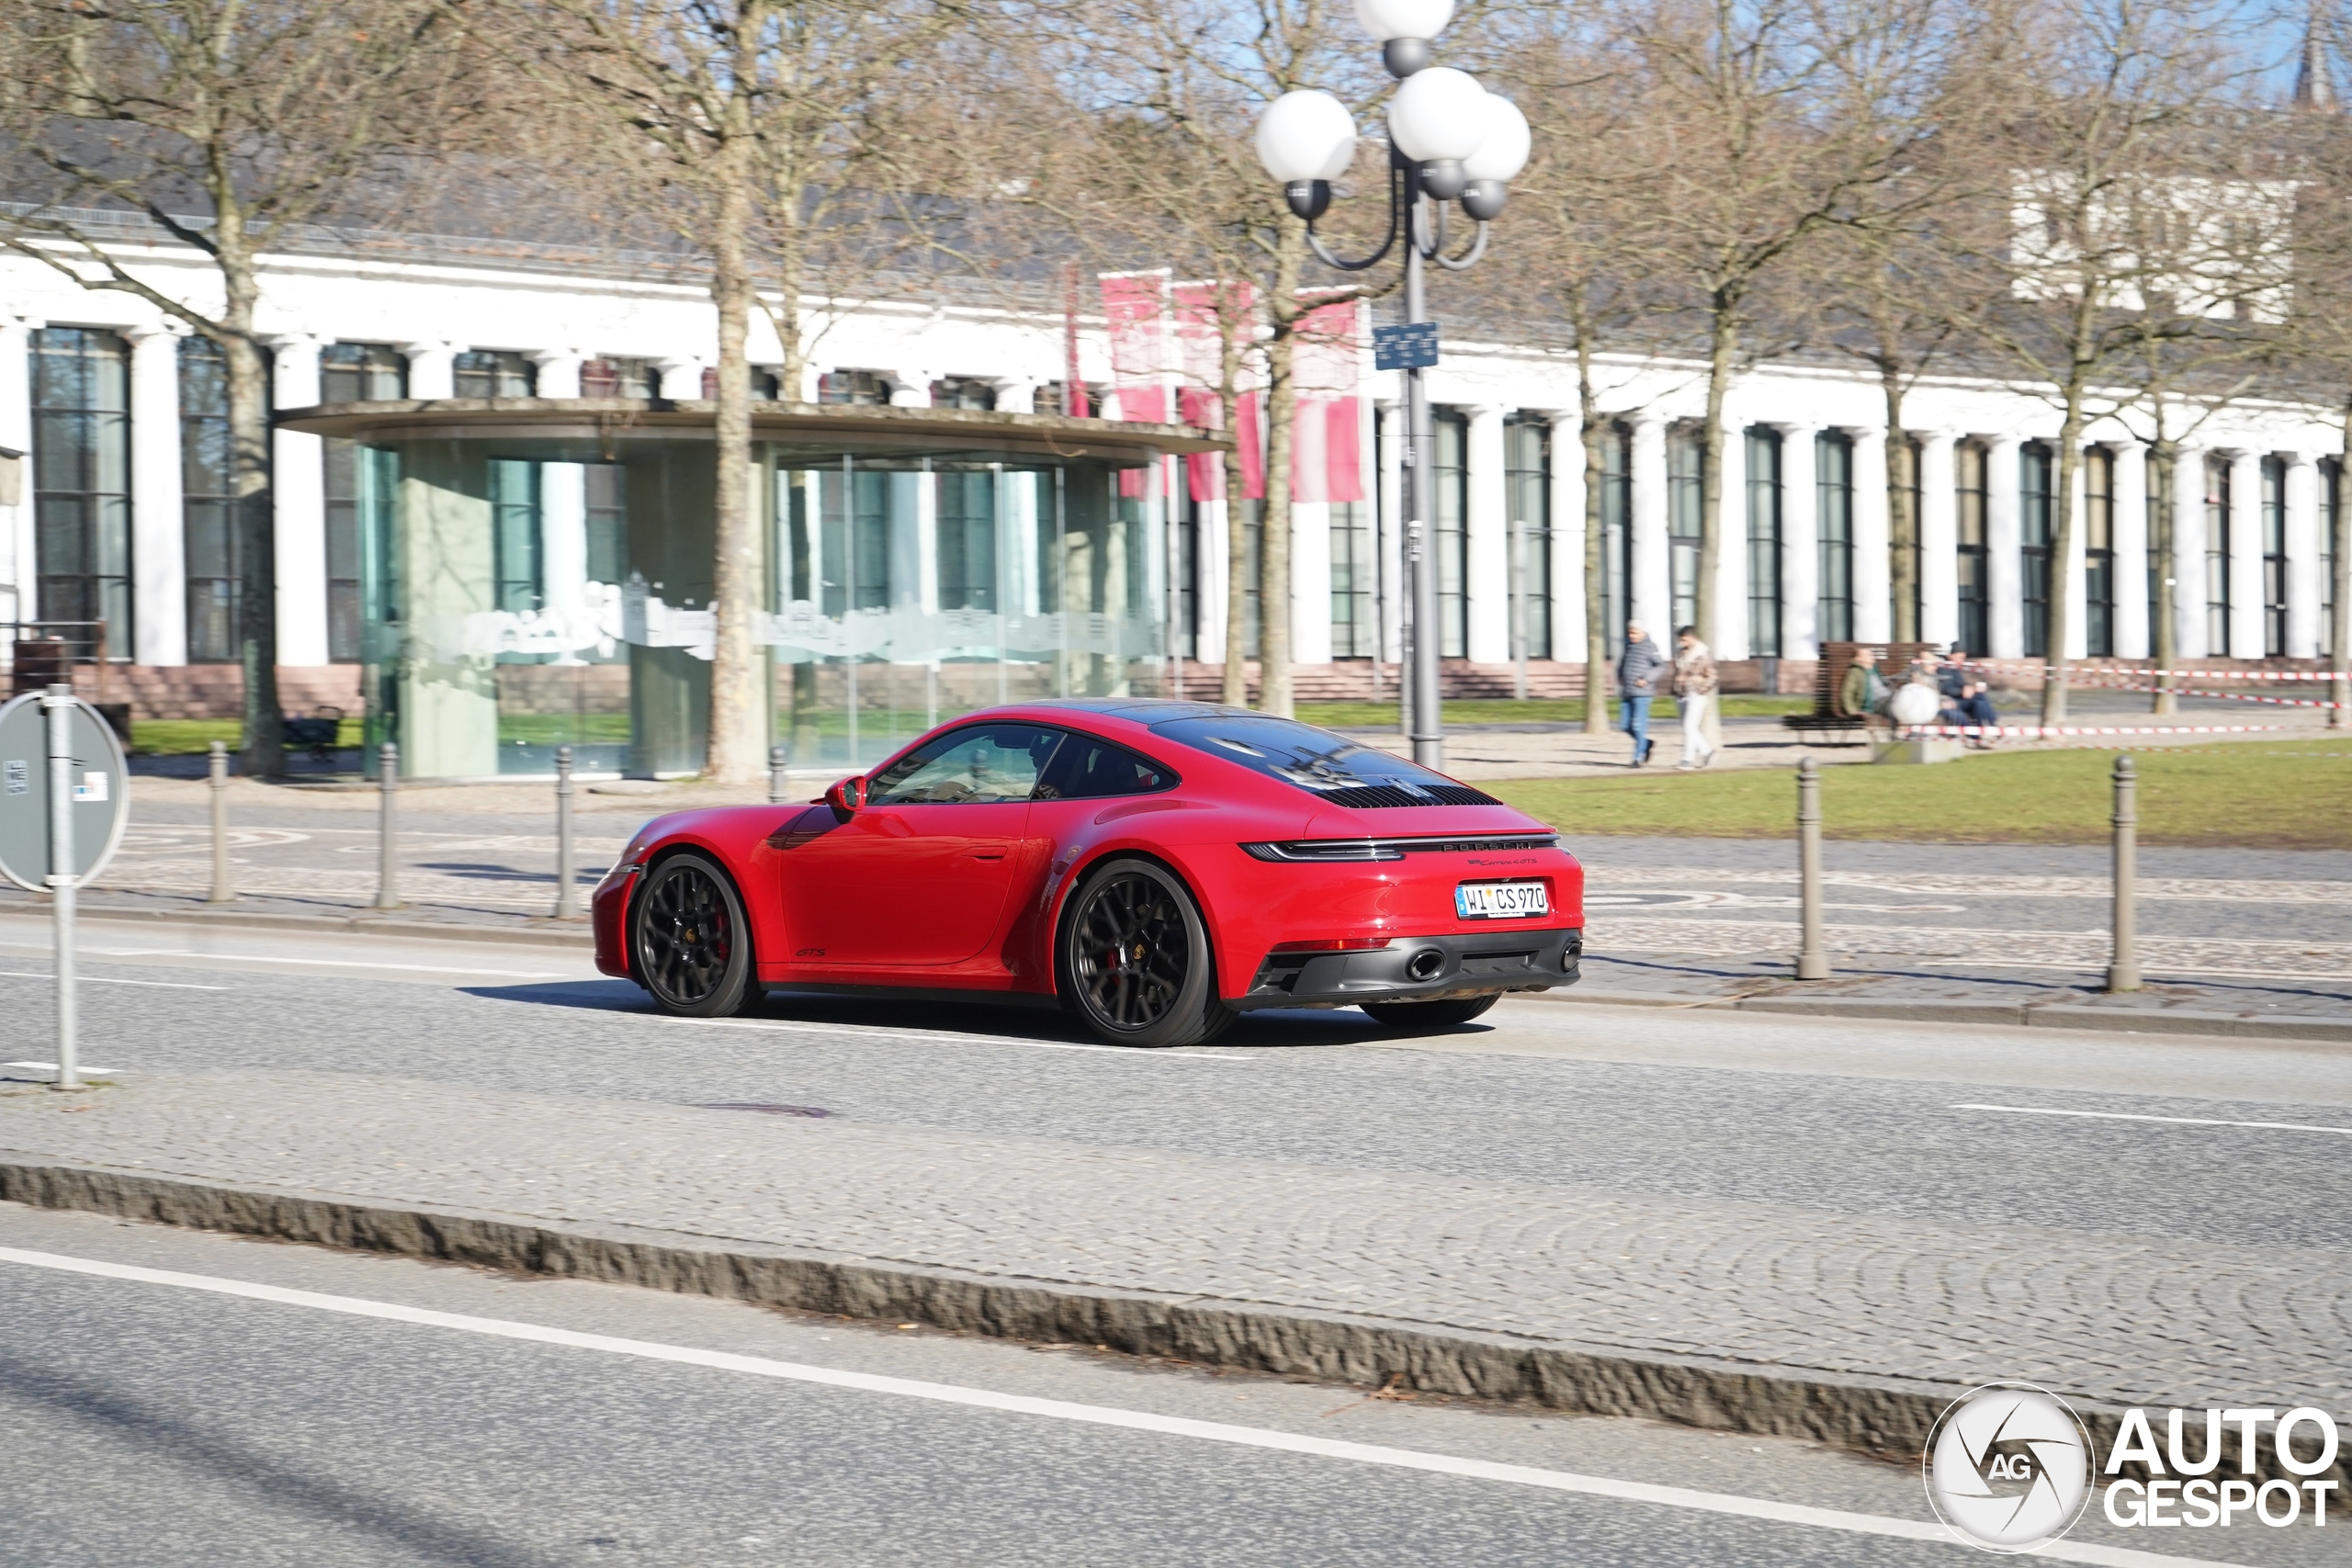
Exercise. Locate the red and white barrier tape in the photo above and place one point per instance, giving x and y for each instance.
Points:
(2235, 697)
(2034, 732)
(2079, 674)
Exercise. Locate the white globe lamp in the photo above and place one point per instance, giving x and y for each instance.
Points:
(1501, 154)
(1307, 135)
(1437, 115)
(1403, 28)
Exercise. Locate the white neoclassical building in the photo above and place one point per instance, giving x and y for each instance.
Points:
(119, 517)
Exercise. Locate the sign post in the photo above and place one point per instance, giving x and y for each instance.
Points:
(62, 810)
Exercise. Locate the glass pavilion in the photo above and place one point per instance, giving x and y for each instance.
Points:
(538, 572)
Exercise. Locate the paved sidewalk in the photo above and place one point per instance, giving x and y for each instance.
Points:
(2112, 1319)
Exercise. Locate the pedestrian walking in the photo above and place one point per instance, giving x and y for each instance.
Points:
(1694, 692)
(1638, 670)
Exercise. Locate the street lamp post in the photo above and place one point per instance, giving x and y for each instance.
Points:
(1449, 139)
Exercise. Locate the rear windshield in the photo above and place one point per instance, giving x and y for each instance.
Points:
(1299, 753)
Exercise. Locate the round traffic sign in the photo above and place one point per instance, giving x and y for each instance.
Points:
(100, 780)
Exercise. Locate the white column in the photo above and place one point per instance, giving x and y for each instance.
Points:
(2004, 566)
(1653, 589)
(298, 494)
(1211, 572)
(1015, 394)
(910, 387)
(2302, 556)
(432, 369)
(1567, 537)
(2132, 544)
(17, 578)
(559, 371)
(1391, 541)
(1939, 525)
(2078, 598)
(563, 543)
(1310, 582)
(1730, 533)
(158, 544)
(681, 379)
(2189, 553)
(1800, 543)
(1873, 563)
(2245, 554)
(1485, 608)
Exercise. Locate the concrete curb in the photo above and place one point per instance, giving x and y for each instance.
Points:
(1883, 1416)
(548, 935)
(2037, 1015)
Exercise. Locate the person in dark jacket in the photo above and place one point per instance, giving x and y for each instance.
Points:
(1967, 704)
(1637, 672)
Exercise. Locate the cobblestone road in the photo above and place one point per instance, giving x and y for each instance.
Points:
(2134, 1318)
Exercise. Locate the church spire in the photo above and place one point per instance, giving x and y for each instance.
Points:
(2314, 89)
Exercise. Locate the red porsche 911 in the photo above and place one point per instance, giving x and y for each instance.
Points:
(1157, 866)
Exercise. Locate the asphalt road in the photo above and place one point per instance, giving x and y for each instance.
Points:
(1857, 1117)
(147, 1423)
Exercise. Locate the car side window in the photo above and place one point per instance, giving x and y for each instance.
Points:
(1088, 769)
(988, 764)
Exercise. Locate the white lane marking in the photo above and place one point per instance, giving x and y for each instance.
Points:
(1091, 1415)
(326, 962)
(51, 1066)
(2176, 1121)
(869, 1029)
(104, 980)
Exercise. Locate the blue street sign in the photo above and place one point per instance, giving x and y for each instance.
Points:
(1411, 348)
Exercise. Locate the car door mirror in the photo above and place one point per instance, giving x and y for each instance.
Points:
(846, 795)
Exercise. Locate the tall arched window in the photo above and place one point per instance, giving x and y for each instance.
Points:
(1527, 459)
(1616, 534)
(81, 387)
(1685, 455)
(2217, 556)
(2037, 469)
(1763, 541)
(1972, 570)
(350, 373)
(2274, 556)
(1451, 431)
(1833, 484)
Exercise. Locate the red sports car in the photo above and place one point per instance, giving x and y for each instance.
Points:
(1156, 865)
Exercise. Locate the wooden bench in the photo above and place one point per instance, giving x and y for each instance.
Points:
(1828, 717)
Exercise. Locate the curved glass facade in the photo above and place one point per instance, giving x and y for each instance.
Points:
(526, 590)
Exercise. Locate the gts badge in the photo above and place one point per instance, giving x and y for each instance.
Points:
(810, 953)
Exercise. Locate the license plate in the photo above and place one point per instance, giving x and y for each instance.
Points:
(1501, 900)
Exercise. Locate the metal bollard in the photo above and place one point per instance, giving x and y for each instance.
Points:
(388, 789)
(2123, 970)
(566, 876)
(776, 784)
(1813, 959)
(221, 892)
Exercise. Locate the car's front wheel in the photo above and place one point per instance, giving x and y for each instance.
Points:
(1428, 1015)
(689, 942)
(1135, 961)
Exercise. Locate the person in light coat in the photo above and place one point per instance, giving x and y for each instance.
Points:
(1694, 690)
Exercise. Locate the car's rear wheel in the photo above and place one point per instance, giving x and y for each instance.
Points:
(1135, 961)
(1428, 1015)
(691, 945)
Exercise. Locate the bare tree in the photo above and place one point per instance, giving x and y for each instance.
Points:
(2321, 335)
(226, 124)
(1779, 121)
(2134, 220)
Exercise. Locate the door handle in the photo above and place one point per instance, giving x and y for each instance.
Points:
(987, 854)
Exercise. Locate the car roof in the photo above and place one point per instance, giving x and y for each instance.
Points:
(1138, 710)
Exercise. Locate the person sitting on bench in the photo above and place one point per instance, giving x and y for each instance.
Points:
(1863, 692)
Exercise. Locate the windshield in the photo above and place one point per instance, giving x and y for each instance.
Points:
(1312, 759)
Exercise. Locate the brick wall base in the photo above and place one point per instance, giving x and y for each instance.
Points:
(217, 691)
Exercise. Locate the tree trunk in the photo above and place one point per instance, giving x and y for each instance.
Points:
(263, 752)
(2062, 555)
(737, 692)
(1282, 422)
(1722, 346)
(1594, 434)
(2164, 473)
(1902, 523)
(1236, 553)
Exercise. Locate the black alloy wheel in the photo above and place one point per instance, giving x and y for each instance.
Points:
(690, 943)
(1442, 1014)
(1136, 959)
